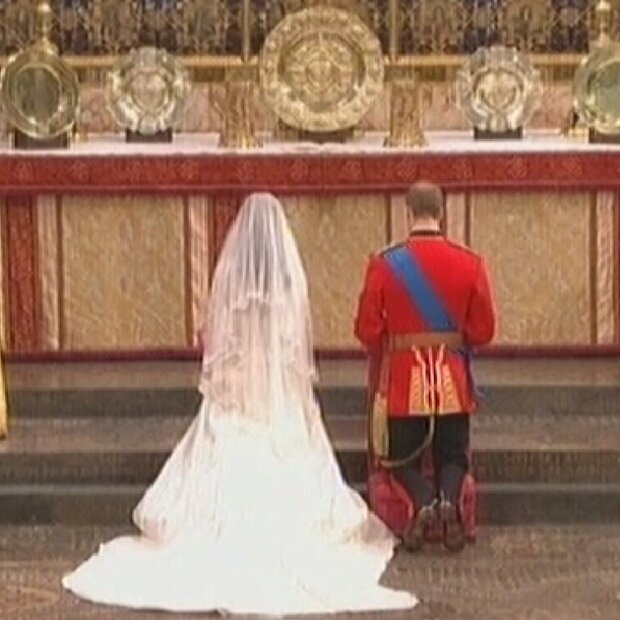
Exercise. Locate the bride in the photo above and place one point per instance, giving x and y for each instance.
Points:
(250, 513)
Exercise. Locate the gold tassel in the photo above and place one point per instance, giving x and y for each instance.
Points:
(379, 430)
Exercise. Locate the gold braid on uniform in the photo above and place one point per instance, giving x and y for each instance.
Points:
(433, 404)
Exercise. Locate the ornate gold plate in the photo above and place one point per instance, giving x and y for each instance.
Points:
(597, 89)
(147, 90)
(498, 90)
(40, 93)
(321, 69)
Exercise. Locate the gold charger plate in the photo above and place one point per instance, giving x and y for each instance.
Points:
(321, 69)
(596, 89)
(147, 90)
(39, 93)
(498, 90)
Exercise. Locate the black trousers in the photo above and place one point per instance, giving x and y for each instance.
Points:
(450, 449)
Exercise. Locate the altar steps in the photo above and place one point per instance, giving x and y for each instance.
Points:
(499, 504)
(149, 401)
(83, 471)
(506, 449)
(136, 389)
(87, 439)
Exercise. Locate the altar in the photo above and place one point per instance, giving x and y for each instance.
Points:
(108, 247)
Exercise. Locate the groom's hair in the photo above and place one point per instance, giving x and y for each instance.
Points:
(425, 200)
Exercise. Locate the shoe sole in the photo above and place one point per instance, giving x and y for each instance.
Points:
(454, 535)
(414, 534)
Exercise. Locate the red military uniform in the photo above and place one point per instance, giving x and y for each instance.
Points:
(459, 277)
(419, 354)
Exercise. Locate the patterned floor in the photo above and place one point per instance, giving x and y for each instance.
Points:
(540, 573)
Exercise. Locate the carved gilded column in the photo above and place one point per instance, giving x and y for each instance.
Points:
(393, 30)
(405, 113)
(239, 127)
(240, 82)
(405, 126)
(246, 28)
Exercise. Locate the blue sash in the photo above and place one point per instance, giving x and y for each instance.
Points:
(420, 290)
(422, 295)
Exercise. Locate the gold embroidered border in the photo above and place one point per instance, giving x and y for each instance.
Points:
(605, 268)
(199, 257)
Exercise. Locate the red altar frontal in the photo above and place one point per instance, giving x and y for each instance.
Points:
(107, 248)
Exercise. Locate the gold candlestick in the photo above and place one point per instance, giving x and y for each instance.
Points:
(239, 127)
(405, 113)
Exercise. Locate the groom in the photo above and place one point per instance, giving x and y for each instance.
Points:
(425, 303)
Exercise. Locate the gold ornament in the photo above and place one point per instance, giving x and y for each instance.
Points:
(321, 69)
(596, 85)
(39, 92)
(405, 114)
(147, 90)
(238, 113)
(498, 90)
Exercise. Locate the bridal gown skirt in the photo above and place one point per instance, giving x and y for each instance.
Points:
(242, 522)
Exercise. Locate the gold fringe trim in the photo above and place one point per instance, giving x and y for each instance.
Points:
(431, 388)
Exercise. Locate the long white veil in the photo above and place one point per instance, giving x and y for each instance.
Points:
(257, 325)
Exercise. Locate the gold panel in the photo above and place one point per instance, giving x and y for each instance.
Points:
(539, 248)
(123, 283)
(336, 236)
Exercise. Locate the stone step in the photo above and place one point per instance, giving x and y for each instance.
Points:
(499, 503)
(501, 466)
(505, 449)
(86, 439)
(335, 400)
(168, 388)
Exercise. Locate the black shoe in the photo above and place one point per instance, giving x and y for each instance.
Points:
(453, 532)
(413, 536)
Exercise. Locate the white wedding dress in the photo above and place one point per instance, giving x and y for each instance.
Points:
(250, 513)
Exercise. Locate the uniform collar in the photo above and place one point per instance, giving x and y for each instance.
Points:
(426, 232)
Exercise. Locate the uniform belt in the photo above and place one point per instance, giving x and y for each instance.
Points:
(406, 342)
